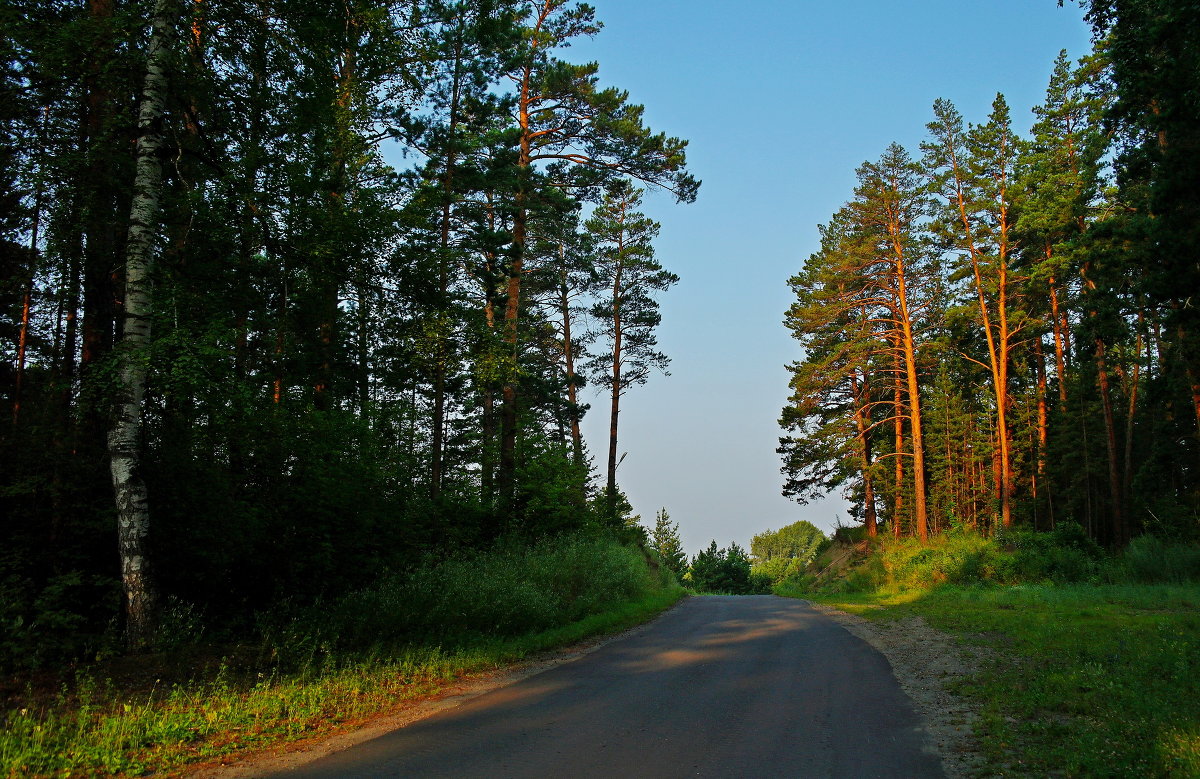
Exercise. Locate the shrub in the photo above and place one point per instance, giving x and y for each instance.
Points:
(724, 571)
(507, 591)
(1149, 559)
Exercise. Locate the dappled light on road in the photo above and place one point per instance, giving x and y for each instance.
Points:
(718, 684)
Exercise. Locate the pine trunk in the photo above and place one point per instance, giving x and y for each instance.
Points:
(1040, 481)
(564, 301)
(861, 398)
(898, 431)
(1060, 339)
(512, 308)
(615, 409)
(908, 348)
(1117, 523)
(437, 443)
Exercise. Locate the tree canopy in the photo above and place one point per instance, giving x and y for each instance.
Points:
(301, 364)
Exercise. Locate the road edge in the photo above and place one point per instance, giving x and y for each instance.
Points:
(282, 757)
(926, 662)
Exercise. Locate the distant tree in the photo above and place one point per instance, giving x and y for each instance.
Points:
(721, 570)
(780, 553)
(664, 539)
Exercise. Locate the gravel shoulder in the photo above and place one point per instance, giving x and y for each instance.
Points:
(926, 661)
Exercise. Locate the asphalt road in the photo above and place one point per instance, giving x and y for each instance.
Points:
(719, 687)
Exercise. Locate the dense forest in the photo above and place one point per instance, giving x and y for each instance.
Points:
(312, 289)
(1002, 330)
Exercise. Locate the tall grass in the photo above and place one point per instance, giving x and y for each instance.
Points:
(349, 658)
(1063, 556)
(505, 592)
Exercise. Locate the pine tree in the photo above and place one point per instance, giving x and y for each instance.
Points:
(587, 136)
(626, 277)
(664, 540)
(828, 416)
(973, 174)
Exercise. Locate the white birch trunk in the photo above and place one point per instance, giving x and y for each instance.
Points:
(124, 439)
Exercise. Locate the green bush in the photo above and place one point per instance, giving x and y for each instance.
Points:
(1151, 560)
(1065, 555)
(508, 591)
(56, 622)
(722, 571)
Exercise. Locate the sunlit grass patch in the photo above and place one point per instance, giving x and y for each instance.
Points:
(1179, 750)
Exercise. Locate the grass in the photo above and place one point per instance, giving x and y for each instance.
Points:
(326, 679)
(1094, 678)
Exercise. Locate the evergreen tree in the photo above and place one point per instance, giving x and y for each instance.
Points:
(586, 136)
(973, 175)
(664, 540)
(725, 571)
(625, 278)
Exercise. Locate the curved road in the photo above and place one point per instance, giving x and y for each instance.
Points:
(718, 687)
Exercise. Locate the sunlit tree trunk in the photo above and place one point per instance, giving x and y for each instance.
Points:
(908, 349)
(520, 234)
(1040, 481)
(898, 435)
(1061, 334)
(1131, 411)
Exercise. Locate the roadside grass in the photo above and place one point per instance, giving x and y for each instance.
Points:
(1088, 680)
(324, 666)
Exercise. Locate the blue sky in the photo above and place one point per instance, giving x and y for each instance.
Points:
(780, 101)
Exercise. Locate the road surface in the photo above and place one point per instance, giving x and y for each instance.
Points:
(718, 687)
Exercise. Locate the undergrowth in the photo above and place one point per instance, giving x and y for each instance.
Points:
(1063, 556)
(345, 660)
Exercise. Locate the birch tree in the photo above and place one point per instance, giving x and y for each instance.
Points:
(124, 438)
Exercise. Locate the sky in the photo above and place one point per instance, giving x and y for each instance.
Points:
(780, 101)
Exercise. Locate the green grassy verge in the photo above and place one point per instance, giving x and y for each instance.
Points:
(1089, 680)
(99, 730)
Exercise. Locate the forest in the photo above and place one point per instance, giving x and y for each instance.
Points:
(1002, 331)
(313, 290)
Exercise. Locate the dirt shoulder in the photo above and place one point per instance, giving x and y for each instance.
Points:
(283, 757)
(926, 662)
